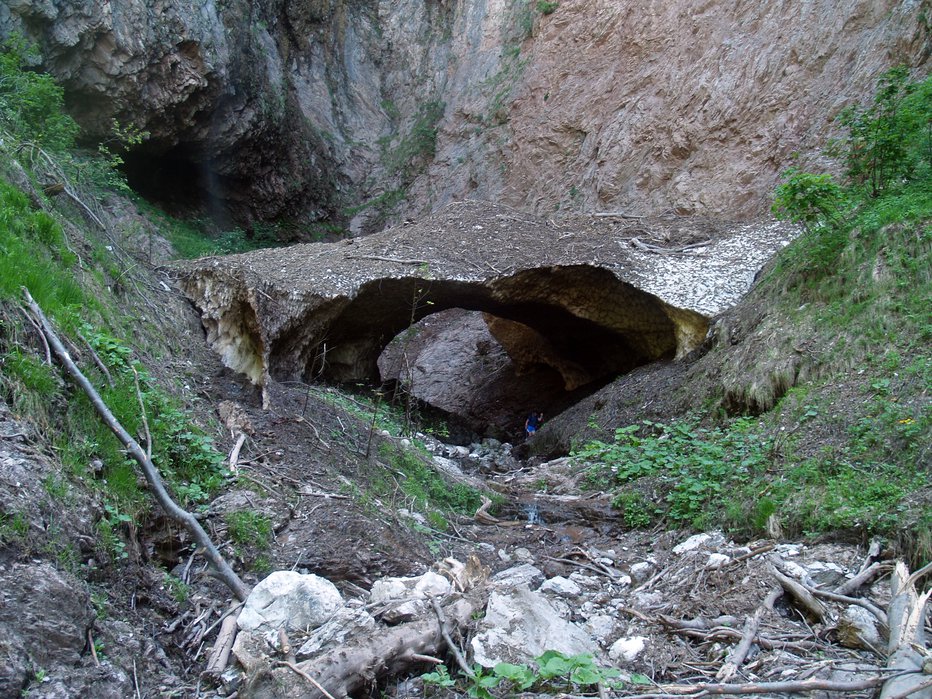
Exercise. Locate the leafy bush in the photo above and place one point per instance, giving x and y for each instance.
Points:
(31, 104)
(547, 7)
(812, 200)
(694, 466)
(426, 486)
(554, 672)
(884, 141)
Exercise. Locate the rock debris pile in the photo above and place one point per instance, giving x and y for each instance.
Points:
(784, 617)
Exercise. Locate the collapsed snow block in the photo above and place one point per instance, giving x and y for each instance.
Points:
(290, 600)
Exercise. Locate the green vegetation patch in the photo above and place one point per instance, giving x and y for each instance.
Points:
(419, 481)
(552, 673)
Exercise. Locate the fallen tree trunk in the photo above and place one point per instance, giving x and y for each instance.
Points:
(348, 669)
(907, 648)
(224, 572)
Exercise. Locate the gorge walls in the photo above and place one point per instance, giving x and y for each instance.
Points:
(371, 111)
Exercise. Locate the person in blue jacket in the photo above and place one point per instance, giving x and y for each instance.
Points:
(533, 422)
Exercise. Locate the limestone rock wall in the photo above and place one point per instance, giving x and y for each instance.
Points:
(649, 105)
(311, 110)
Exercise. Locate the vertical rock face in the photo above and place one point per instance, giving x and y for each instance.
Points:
(311, 110)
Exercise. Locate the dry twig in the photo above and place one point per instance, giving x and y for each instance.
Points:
(751, 626)
(444, 631)
(306, 676)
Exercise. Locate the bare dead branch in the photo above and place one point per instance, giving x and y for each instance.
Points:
(790, 687)
(862, 578)
(445, 632)
(142, 413)
(45, 344)
(97, 360)
(306, 676)
(906, 647)
(234, 454)
(224, 572)
(398, 260)
(802, 595)
(751, 626)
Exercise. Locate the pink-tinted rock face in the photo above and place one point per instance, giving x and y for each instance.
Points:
(275, 109)
(696, 107)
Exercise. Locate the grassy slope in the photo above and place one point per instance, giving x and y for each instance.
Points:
(814, 413)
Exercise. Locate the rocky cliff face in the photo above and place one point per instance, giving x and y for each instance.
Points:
(333, 109)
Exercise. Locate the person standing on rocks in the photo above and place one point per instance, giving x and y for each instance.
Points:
(533, 422)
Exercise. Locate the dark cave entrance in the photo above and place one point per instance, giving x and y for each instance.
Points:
(181, 182)
(458, 371)
(484, 353)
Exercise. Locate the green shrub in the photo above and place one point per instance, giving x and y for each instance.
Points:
(694, 466)
(815, 201)
(31, 104)
(426, 486)
(249, 528)
(888, 140)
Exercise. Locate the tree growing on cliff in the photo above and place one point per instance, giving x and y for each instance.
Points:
(887, 146)
(808, 199)
(888, 142)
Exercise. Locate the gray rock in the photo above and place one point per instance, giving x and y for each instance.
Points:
(520, 625)
(717, 561)
(524, 574)
(694, 543)
(45, 612)
(857, 628)
(561, 587)
(394, 589)
(290, 599)
(345, 624)
(825, 574)
(641, 571)
(601, 627)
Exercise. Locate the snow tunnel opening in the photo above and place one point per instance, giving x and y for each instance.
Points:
(484, 352)
(481, 373)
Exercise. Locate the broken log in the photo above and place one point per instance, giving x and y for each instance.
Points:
(220, 655)
(799, 593)
(907, 646)
(348, 669)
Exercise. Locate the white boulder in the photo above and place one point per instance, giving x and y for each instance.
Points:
(562, 587)
(291, 600)
(520, 625)
(627, 649)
